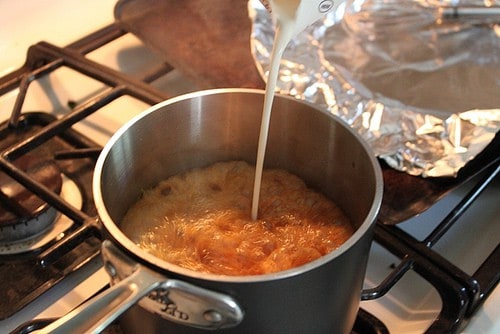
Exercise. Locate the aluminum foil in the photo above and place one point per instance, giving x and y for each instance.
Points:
(422, 88)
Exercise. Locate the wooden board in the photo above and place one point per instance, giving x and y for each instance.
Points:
(208, 41)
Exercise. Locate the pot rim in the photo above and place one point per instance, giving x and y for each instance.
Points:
(124, 242)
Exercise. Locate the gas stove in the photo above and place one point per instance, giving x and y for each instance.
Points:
(86, 78)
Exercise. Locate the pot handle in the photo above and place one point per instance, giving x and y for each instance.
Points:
(172, 299)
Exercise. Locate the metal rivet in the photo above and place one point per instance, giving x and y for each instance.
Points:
(212, 316)
(110, 269)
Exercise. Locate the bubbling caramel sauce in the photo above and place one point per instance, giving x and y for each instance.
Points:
(200, 220)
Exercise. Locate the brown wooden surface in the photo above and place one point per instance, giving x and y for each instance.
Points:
(207, 40)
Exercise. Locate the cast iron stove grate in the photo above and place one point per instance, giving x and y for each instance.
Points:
(28, 273)
(461, 294)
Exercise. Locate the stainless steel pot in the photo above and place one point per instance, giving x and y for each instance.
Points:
(202, 128)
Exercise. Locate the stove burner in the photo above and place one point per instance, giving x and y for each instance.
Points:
(23, 214)
(55, 231)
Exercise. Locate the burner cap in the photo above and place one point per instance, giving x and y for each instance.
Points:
(22, 213)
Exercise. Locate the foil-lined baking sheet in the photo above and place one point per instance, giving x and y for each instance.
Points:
(421, 87)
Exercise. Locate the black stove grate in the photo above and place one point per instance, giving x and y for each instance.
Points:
(27, 275)
(461, 293)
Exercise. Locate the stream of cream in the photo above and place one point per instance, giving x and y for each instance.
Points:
(284, 11)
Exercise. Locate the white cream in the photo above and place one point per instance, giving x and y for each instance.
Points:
(290, 17)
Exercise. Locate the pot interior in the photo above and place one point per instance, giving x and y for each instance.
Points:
(207, 127)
